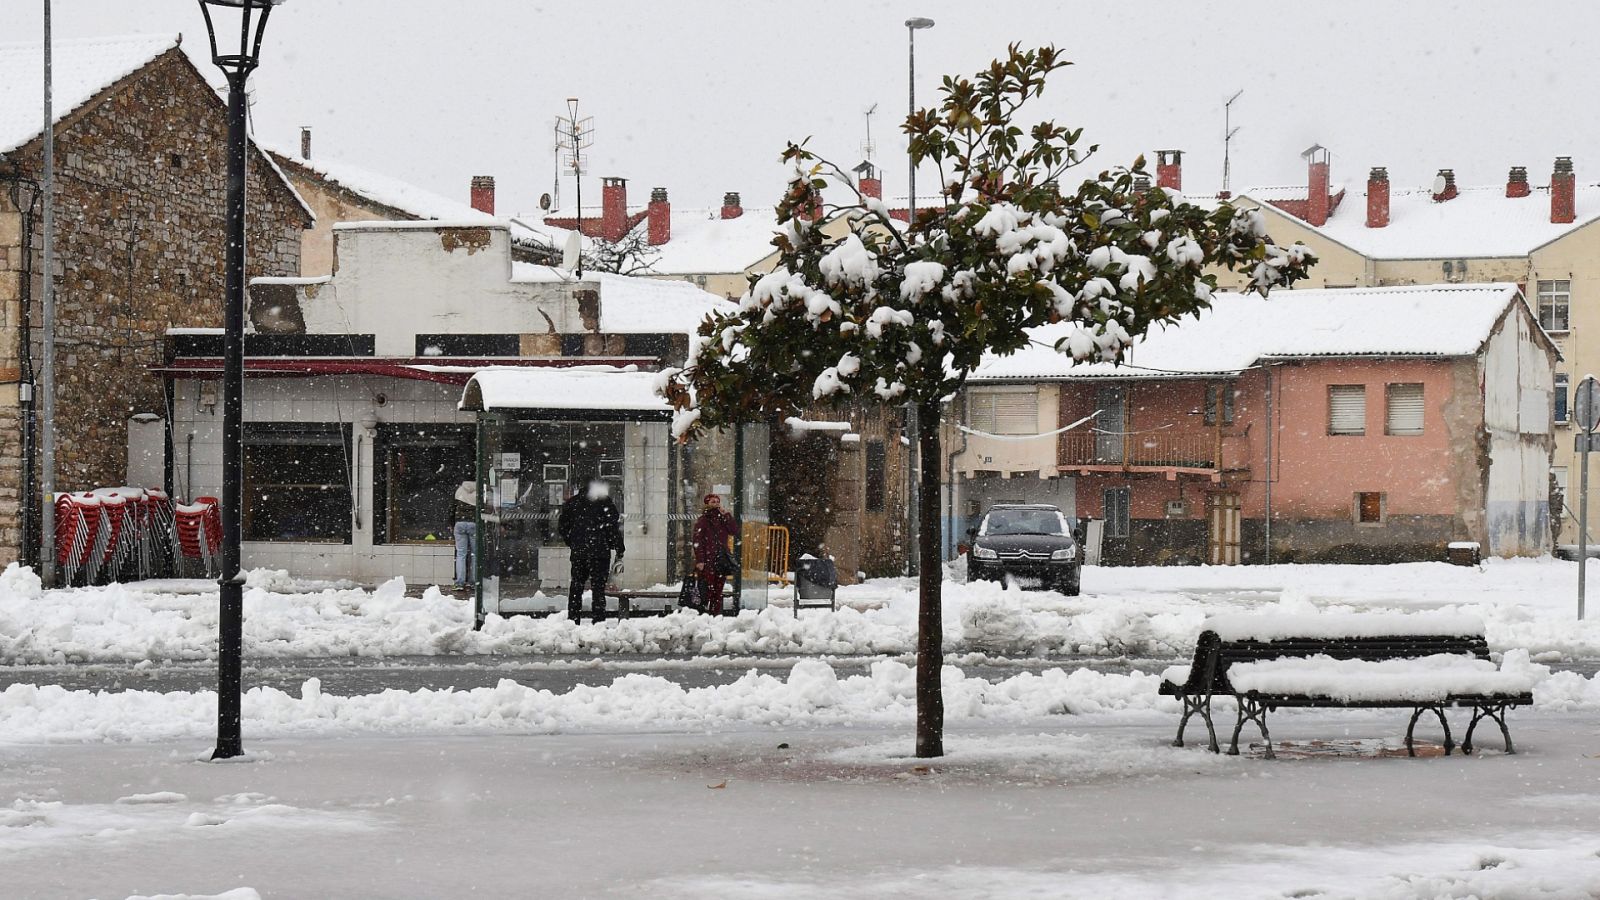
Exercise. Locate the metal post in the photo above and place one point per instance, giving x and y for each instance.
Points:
(230, 649)
(1267, 518)
(1583, 520)
(738, 517)
(47, 388)
(913, 424)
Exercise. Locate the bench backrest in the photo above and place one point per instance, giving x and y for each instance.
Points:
(1213, 656)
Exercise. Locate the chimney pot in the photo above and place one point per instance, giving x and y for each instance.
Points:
(658, 217)
(1563, 192)
(1517, 182)
(1378, 197)
(483, 193)
(305, 142)
(730, 205)
(1141, 183)
(1447, 189)
(1169, 169)
(613, 208)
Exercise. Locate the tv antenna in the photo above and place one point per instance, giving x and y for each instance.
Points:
(1228, 131)
(575, 135)
(867, 146)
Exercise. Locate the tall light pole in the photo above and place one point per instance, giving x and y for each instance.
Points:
(47, 479)
(247, 19)
(913, 25)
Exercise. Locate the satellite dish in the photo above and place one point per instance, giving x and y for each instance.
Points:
(1439, 184)
(544, 202)
(569, 257)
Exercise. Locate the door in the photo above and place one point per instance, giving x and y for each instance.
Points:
(1109, 424)
(1222, 517)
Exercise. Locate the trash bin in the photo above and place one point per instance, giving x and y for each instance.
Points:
(816, 583)
(1463, 553)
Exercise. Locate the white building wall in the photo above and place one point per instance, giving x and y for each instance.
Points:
(1517, 385)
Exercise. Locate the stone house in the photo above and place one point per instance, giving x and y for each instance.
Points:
(1345, 425)
(140, 189)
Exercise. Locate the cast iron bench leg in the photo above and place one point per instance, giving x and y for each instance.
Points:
(1495, 711)
(1449, 742)
(1256, 712)
(1201, 705)
(1190, 707)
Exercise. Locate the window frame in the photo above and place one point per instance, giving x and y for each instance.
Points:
(256, 434)
(1389, 391)
(1561, 399)
(395, 434)
(1353, 389)
(1546, 295)
(984, 413)
(1225, 392)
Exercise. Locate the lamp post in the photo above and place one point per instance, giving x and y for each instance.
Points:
(247, 19)
(913, 482)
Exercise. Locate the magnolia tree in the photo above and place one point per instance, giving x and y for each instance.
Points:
(902, 315)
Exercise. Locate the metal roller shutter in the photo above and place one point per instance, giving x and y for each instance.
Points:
(1347, 409)
(1405, 409)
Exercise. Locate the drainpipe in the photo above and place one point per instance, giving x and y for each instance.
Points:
(1270, 429)
(950, 537)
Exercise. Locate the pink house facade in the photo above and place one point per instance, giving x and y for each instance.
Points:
(1351, 425)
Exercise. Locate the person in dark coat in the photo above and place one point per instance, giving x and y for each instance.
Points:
(713, 548)
(592, 527)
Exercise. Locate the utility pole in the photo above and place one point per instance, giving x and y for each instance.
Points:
(47, 480)
(1228, 131)
(913, 423)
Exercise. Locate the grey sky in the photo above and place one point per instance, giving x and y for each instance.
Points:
(699, 96)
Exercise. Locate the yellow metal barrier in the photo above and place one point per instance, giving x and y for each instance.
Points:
(766, 552)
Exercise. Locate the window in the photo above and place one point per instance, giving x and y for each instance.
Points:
(297, 483)
(175, 160)
(1219, 395)
(418, 468)
(1116, 501)
(1004, 412)
(1403, 409)
(1369, 508)
(1554, 297)
(877, 476)
(1347, 409)
(1559, 413)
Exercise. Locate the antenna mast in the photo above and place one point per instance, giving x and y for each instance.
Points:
(576, 135)
(1228, 131)
(867, 146)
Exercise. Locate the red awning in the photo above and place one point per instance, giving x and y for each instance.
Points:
(441, 370)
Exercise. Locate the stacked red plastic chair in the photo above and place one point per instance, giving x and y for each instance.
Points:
(77, 526)
(199, 527)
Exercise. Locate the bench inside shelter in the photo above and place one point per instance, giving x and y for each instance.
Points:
(1425, 662)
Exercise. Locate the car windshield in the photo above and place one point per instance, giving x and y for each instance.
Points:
(1024, 521)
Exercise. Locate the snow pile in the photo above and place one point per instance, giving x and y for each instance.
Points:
(1428, 679)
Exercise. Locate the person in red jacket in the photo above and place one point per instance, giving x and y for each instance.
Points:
(713, 552)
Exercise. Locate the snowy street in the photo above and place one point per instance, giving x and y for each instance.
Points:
(1084, 807)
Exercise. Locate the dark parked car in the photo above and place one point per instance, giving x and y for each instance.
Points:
(1029, 542)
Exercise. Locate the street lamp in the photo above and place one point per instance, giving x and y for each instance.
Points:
(247, 19)
(913, 481)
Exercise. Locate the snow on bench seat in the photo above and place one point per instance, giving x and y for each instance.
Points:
(1335, 626)
(1425, 679)
(1178, 675)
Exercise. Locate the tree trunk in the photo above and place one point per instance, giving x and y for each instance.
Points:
(930, 616)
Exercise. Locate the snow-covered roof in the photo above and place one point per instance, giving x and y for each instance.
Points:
(80, 69)
(704, 243)
(1440, 320)
(1478, 222)
(633, 305)
(605, 388)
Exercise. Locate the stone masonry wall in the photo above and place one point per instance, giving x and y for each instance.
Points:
(141, 187)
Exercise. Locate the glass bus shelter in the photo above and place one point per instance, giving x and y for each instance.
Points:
(544, 433)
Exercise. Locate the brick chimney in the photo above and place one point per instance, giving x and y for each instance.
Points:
(1169, 169)
(730, 205)
(871, 187)
(1517, 182)
(1317, 185)
(305, 141)
(1378, 197)
(1444, 186)
(613, 208)
(483, 193)
(1563, 188)
(658, 216)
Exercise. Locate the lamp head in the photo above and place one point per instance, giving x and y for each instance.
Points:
(919, 22)
(247, 18)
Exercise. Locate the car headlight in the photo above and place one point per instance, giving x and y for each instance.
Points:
(1066, 553)
(984, 553)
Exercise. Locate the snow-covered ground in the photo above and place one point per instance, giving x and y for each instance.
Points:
(1086, 807)
(1144, 612)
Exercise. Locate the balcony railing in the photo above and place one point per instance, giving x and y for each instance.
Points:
(1155, 449)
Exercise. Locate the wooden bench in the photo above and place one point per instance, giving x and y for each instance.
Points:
(1423, 662)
